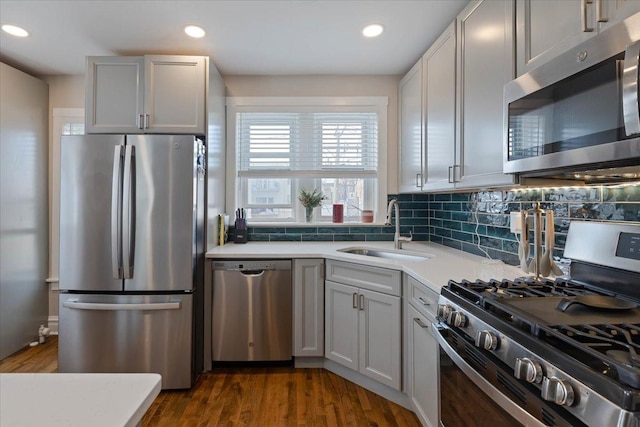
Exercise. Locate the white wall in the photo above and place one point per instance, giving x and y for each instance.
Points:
(331, 85)
(24, 231)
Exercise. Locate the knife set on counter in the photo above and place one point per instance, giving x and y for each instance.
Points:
(542, 263)
(241, 227)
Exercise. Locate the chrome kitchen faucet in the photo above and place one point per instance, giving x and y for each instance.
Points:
(397, 238)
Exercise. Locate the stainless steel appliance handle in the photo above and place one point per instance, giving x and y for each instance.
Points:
(253, 273)
(116, 213)
(585, 17)
(128, 212)
(487, 388)
(175, 305)
(630, 89)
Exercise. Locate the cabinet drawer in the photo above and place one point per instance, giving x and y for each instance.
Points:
(366, 277)
(421, 297)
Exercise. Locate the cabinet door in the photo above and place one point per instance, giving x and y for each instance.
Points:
(610, 12)
(439, 71)
(485, 65)
(114, 94)
(544, 24)
(423, 368)
(175, 91)
(410, 126)
(379, 336)
(308, 294)
(341, 324)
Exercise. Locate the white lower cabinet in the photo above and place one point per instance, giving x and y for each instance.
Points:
(308, 294)
(423, 384)
(362, 331)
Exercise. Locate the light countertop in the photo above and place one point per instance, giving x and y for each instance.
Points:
(444, 263)
(109, 400)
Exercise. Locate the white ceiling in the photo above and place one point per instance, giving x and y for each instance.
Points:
(283, 37)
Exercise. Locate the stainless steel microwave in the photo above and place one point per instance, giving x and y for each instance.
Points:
(577, 115)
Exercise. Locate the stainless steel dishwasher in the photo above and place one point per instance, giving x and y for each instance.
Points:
(252, 311)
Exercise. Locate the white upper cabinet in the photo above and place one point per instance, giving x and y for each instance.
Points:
(546, 28)
(463, 76)
(485, 64)
(411, 131)
(439, 71)
(150, 94)
(114, 94)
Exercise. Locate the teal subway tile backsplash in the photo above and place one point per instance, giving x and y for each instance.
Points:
(414, 213)
(467, 220)
(479, 221)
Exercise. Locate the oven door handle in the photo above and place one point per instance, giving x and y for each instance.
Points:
(487, 388)
(630, 88)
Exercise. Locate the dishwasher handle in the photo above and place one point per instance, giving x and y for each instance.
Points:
(253, 273)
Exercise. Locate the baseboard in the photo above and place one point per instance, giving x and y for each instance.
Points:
(308, 362)
(372, 385)
(52, 323)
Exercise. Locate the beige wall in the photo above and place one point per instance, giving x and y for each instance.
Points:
(331, 85)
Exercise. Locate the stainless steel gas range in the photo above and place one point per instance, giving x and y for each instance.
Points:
(535, 352)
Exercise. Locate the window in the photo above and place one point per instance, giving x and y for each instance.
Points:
(285, 144)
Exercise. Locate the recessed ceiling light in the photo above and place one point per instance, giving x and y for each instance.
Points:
(15, 31)
(194, 31)
(372, 30)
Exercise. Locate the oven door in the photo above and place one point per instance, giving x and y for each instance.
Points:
(477, 390)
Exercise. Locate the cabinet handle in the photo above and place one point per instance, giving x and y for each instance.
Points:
(354, 300)
(140, 121)
(600, 16)
(423, 301)
(585, 26)
(420, 323)
(418, 178)
(449, 175)
(146, 121)
(361, 302)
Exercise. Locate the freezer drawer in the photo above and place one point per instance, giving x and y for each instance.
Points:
(127, 333)
(252, 311)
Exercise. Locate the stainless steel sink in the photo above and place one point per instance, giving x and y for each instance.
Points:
(400, 255)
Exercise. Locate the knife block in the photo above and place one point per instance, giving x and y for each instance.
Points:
(241, 232)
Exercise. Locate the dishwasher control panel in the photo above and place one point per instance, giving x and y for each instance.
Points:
(252, 265)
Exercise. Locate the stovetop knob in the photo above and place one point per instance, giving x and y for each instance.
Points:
(558, 391)
(457, 319)
(487, 340)
(528, 370)
(444, 310)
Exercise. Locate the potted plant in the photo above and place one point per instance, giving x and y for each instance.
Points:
(310, 200)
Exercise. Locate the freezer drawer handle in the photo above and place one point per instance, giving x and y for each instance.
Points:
(72, 303)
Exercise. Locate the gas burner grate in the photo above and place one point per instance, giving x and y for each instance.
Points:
(611, 349)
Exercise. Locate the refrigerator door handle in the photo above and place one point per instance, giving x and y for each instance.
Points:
(116, 213)
(73, 303)
(129, 212)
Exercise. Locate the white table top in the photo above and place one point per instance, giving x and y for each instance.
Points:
(95, 400)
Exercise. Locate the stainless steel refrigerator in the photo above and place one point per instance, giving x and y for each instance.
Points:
(131, 254)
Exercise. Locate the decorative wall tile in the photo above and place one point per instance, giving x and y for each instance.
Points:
(489, 212)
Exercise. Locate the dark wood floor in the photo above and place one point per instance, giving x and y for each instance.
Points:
(250, 397)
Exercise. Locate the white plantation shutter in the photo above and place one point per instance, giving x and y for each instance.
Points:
(314, 144)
